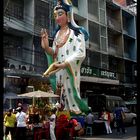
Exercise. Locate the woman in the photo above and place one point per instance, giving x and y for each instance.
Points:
(107, 118)
(52, 124)
(68, 51)
(9, 122)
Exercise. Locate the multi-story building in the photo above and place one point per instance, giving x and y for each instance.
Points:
(24, 58)
(110, 64)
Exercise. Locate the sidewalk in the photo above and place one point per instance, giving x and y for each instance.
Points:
(94, 138)
(109, 137)
(130, 135)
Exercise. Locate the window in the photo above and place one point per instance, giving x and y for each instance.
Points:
(103, 44)
(103, 31)
(42, 13)
(12, 46)
(95, 60)
(94, 38)
(93, 7)
(104, 61)
(40, 58)
(102, 16)
(102, 4)
(14, 8)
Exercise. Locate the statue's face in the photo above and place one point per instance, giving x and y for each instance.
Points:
(60, 17)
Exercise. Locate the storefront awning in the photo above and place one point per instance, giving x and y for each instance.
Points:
(21, 73)
(99, 80)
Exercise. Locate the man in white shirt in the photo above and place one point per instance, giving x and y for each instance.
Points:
(21, 119)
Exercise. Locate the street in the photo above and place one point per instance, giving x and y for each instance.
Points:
(130, 135)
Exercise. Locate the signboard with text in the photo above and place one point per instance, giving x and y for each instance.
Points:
(91, 71)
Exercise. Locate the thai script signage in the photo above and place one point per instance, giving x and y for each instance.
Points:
(91, 71)
(108, 74)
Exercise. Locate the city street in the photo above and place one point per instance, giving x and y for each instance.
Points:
(70, 69)
(130, 135)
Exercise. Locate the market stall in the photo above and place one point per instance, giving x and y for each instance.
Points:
(39, 112)
(41, 104)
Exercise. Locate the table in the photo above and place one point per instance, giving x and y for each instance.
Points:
(99, 127)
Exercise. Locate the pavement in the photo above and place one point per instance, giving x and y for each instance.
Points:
(107, 138)
(130, 135)
(132, 138)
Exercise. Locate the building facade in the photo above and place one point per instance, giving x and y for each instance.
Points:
(111, 60)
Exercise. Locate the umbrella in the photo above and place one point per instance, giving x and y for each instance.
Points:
(39, 94)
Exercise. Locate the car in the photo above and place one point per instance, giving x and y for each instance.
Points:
(130, 117)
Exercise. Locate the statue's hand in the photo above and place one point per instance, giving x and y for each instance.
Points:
(44, 39)
(51, 70)
(60, 65)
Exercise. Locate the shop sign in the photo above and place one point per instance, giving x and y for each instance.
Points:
(107, 74)
(90, 71)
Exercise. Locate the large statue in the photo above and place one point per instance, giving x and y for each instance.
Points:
(65, 57)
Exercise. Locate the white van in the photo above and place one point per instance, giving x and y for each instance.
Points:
(98, 101)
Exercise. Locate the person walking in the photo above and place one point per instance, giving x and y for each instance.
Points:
(9, 123)
(65, 57)
(52, 124)
(119, 117)
(21, 119)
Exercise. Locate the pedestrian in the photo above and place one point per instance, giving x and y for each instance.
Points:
(66, 56)
(52, 124)
(89, 119)
(21, 119)
(107, 118)
(62, 127)
(9, 123)
(119, 117)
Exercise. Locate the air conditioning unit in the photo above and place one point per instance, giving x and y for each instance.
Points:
(12, 66)
(24, 67)
(31, 68)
